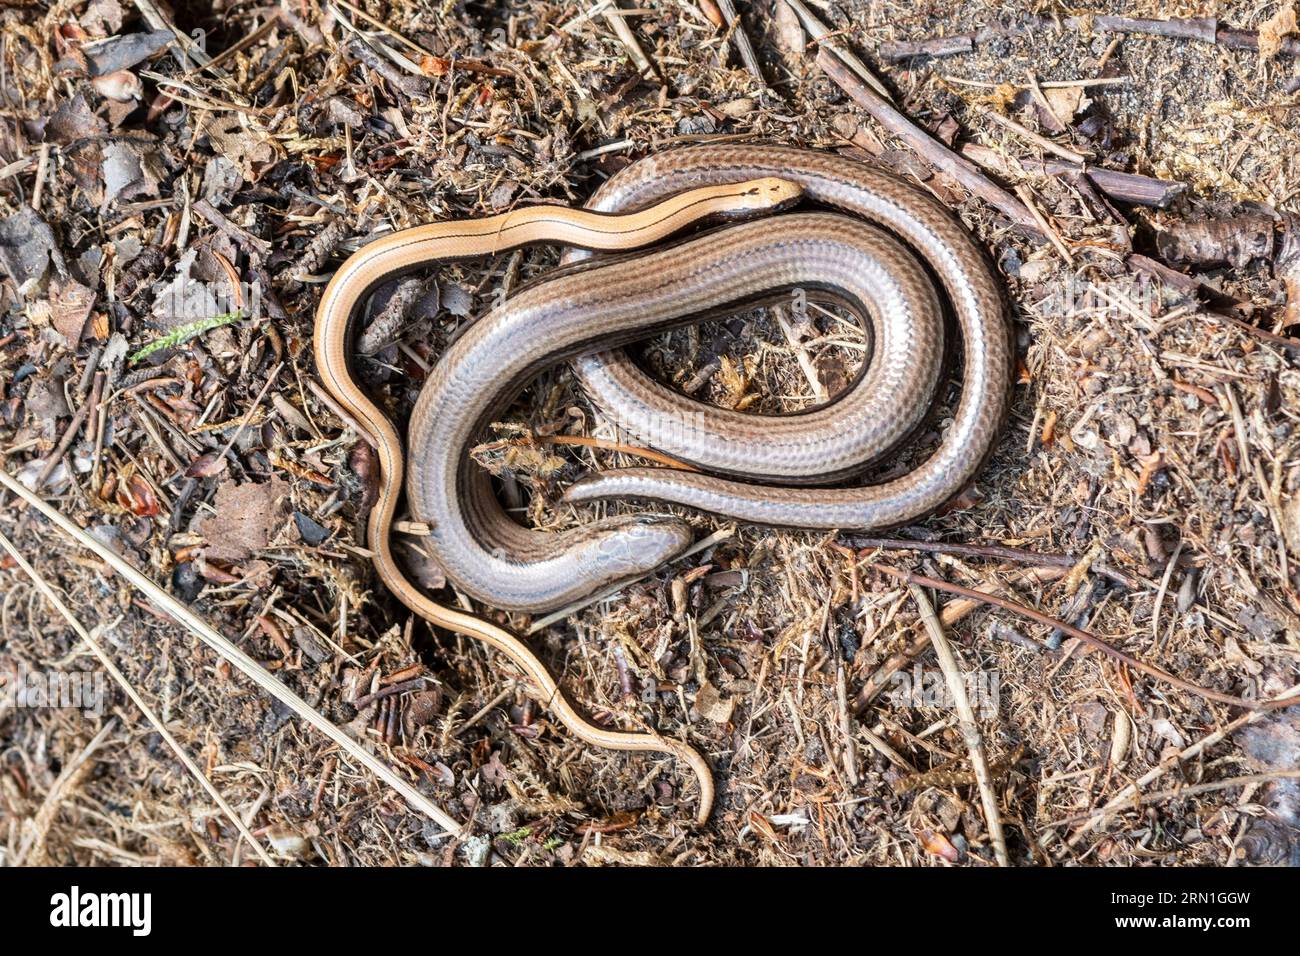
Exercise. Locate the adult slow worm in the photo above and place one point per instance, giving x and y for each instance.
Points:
(742, 457)
(426, 246)
(602, 305)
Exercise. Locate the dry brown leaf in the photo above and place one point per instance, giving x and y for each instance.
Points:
(1066, 101)
(70, 305)
(247, 516)
(1274, 29)
(242, 146)
(712, 705)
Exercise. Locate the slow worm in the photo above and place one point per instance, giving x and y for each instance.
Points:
(426, 246)
(748, 462)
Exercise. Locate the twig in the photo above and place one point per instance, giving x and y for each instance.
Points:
(1042, 142)
(1090, 639)
(1125, 797)
(585, 441)
(384, 28)
(361, 703)
(1000, 552)
(822, 34)
(69, 434)
(966, 721)
(248, 417)
(242, 44)
(486, 709)
(42, 168)
(1176, 793)
(881, 745)
(1044, 84)
(1126, 187)
(614, 17)
(934, 152)
(1191, 287)
(952, 612)
(223, 646)
(97, 649)
(259, 249)
(1160, 594)
(341, 413)
(846, 726)
(1054, 237)
(801, 353)
(736, 29)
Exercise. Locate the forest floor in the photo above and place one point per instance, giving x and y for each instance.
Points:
(1145, 487)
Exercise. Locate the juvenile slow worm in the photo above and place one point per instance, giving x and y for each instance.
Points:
(426, 246)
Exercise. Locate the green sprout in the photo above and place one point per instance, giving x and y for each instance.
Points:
(184, 333)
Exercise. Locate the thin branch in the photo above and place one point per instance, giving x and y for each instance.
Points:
(1176, 793)
(227, 649)
(931, 150)
(952, 612)
(999, 552)
(1090, 639)
(649, 454)
(1126, 796)
(98, 650)
(966, 721)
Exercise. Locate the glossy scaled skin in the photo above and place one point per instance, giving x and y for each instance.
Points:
(624, 392)
(497, 561)
(490, 556)
(426, 246)
(916, 218)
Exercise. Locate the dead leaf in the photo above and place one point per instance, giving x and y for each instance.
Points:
(27, 247)
(290, 414)
(70, 305)
(130, 172)
(503, 195)
(1274, 29)
(247, 516)
(102, 17)
(1066, 102)
(712, 705)
(73, 120)
(46, 405)
(184, 299)
(457, 300)
(243, 147)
